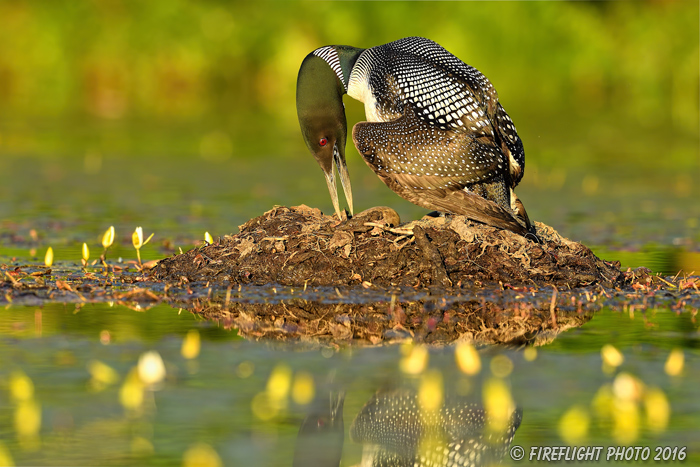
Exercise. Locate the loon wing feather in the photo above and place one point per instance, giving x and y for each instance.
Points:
(399, 152)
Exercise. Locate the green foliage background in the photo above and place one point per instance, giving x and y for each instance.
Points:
(156, 76)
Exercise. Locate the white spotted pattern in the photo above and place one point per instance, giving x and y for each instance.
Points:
(446, 94)
(392, 426)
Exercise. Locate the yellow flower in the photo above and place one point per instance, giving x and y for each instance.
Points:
(191, 345)
(131, 392)
(86, 252)
(573, 425)
(612, 358)
(108, 237)
(21, 387)
(430, 392)
(207, 238)
(102, 374)
(279, 382)
(137, 240)
(467, 358)
(657, 408)
(416, 359)
(151, 369)
(303, 389)
(28, 419)
(675, 362)
(498, 403)
(48, 259)
(501, 366)
(201, 455)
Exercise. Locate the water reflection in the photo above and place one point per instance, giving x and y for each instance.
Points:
(398, 427)
(322, 433)
(506, 319)
(172, 389)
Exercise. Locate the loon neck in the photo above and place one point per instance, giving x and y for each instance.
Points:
(341, 59)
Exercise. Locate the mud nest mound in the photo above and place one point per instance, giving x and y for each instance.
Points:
(300, 246)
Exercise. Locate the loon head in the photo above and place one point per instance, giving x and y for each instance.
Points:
(323, 79)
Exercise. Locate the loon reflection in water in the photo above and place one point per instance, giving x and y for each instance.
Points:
(321, 436)
(395, 432)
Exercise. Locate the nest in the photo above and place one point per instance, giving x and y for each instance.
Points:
(300, 246)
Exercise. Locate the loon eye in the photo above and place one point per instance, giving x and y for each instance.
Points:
(323, 142)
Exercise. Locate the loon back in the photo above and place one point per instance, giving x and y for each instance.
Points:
(447, 93)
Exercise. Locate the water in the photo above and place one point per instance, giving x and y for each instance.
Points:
(215, 397)
(218, 403)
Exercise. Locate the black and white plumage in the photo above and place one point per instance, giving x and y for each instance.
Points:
(396, 432)
(436, 133)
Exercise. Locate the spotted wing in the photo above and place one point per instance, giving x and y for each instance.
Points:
(425, 157)
(446, 93)
(431, 167)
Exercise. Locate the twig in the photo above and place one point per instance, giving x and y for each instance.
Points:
(553, 305)
(390, 229)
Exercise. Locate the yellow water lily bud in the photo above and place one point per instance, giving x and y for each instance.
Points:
(467, 358)
(207, 238)
(245, 369)
(415, 361)
(201, 455)
(108, 237)
(102, 374)
(137, 238)
(5, 456)
(264, 408)
(131, 392)
(191, 344)
(501, 366)
(573, 425)
(151, 368)
(21, 387)
(86, 252)
(48, 259)
(612, 358)
(498, 403)
(675, 362)
(627, 387)
(28, 419)
(626, 421)
(657, 408)
(430, 392)
(604, 401)
(279, 383)
(303, 389)
(530, 354)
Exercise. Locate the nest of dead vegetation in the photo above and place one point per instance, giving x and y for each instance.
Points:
(300, 246)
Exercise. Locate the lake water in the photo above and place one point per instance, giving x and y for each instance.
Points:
(70, 390)
(221, 398)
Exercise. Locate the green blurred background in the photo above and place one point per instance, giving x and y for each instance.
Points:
(176, 64)
(180, 114)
